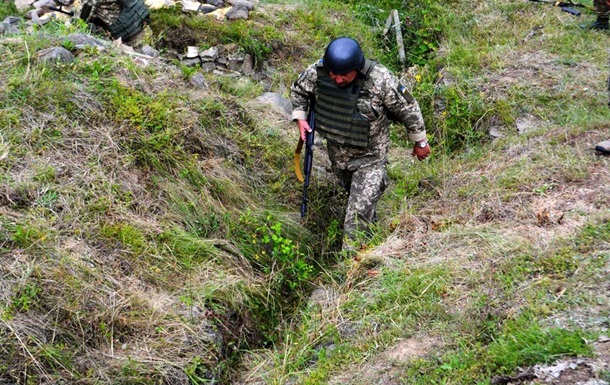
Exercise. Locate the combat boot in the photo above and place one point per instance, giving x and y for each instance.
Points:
(600, 24)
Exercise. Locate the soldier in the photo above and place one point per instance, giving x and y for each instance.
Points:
(353, 97)
(121, 18)
(602, 8)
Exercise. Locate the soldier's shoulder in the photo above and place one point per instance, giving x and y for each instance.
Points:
(380, 75)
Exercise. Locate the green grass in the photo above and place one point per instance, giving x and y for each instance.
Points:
(140, 215)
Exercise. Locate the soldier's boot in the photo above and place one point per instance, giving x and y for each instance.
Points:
(600, 24)
(603, 147)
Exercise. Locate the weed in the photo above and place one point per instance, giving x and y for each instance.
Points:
(26, 297)
(127, 234)
(280, 256)
(523, 343)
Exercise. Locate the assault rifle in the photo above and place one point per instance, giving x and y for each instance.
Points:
(565, 6)
(309, 136)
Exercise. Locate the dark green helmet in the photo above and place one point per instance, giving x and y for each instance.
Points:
(343, 55)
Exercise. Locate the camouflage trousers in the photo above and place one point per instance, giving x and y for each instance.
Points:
(365, 187)
(602, 8)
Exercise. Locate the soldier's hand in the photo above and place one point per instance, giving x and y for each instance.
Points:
(304, 128)
(421, 150)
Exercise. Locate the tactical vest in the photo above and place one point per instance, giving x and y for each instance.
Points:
(131, 19)
(337, 117)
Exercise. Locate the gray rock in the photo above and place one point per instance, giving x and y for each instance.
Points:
(44, 3)
(280, 104)
(191, 62)
(81, 40)
(22, 5)
(235, 62)
(242, 4)
(198, 81)
(216, 3)
(210, 54)
(208, 66)
(12, 20)
(236, 13)
(149, 51)
(55, 55)
(206, 8)
(248, 65)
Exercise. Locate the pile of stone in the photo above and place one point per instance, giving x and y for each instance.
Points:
(221, 9)
(222, 59)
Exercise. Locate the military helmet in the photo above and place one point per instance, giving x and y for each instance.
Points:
(343, 55)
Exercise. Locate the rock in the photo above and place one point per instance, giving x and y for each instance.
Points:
(236, 13)
(55, 55)
(195, 6)
(198, 81)
(192, 52)
(210, 54)
(208, 66)
(22, 5)
(44, 3)
(192, 62)
(248, 65)
(235, 61)
(156, 4)
(12, 20)
(190, 6)
(206, 8)
(242, 4)
(150, 51)
(81, 40)
(216, 3)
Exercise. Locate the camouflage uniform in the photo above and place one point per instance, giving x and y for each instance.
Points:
(121, 18)
(106, 11)
(362, 172)
(602, 8)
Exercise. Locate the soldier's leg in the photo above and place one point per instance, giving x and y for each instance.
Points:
(366, 188)
(602, 8)
(344, 177)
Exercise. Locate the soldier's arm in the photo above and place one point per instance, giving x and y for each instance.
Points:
(404, 107)
(301, 91)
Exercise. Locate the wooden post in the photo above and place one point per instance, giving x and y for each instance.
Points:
(401, 46)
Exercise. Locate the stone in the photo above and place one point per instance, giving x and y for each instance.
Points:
(198, 81)
(44, 3)
(242, 4)
(236, 13)
(208, 66)
(22, 5)
(150, 51)
(12, 20)
(192, 52)
(56, 55)
(210, 54)
(191, 62)
(277, 102)
(81, 40)
(248, 65)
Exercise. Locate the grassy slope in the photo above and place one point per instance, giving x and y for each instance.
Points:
(135, 209)
(498, 253)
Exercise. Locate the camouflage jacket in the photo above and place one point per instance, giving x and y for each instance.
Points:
(105, 10)
(382, 94)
